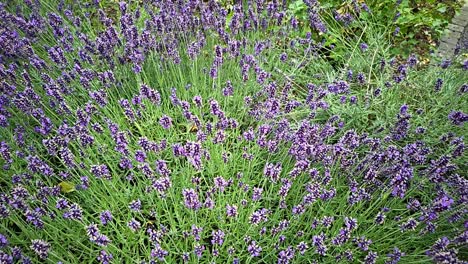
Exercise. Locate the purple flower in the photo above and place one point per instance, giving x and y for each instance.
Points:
(196, 231)
(259, 216)
(229, 89)
(362, 243)
(318, 241)
(128, 111)
(254, 249)
(209, 203)
(371, 258)
(36, 165)
(272, 171)
(104, 257)
(219, 137)
(220, 183)
(342, 237)
(439, 246)
(420, 130)
(150, 94)
(101, 171)
(105, 217)
(198, 100)
(140, 156)
(198, 249)
(380, 218)
(231, 210)
(5, 151)
(361, 78)
(41, 248)
(395, 256)
(285, 256)
(165, 122)
(438, 84)
(100, 97)
(61, 204)
(315, 21)
(191, 199)
(218, 237)
(445, 63)
(283, 57)
(458, 117)
(7, 259)
(327, 221)
(249, 135)
(302, 247)
(16, 252)
(412, 59)
(121, 142)
(125, 163)
(84, 183)
(92, 230)
(74, 212)
(409, 225)
(442, 203)
(3, 241)
(363, 47)
(257, 194)
(215, 109)
(401, 127)
(95, 236)
(162, 168)
(465, 65)
(185, 257)
(350, 223)
(134, 225)
(214, 72)
(158, 253)
(343, 99)
(135, 205)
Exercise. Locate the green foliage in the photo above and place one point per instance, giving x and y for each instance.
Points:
(412, 25)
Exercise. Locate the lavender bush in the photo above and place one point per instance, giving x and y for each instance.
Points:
(192, 132)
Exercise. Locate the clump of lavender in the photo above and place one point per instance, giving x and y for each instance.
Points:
(290, 152)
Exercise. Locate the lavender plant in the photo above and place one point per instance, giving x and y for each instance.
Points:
(190, 132)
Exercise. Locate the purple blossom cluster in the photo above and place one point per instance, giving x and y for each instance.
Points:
(95, 236)
(41, 248)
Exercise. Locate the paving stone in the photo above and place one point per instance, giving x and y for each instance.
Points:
(460, 20)
(444, 46)
(456, 36)
(451, 40)
(455, 28)
(463, 42)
